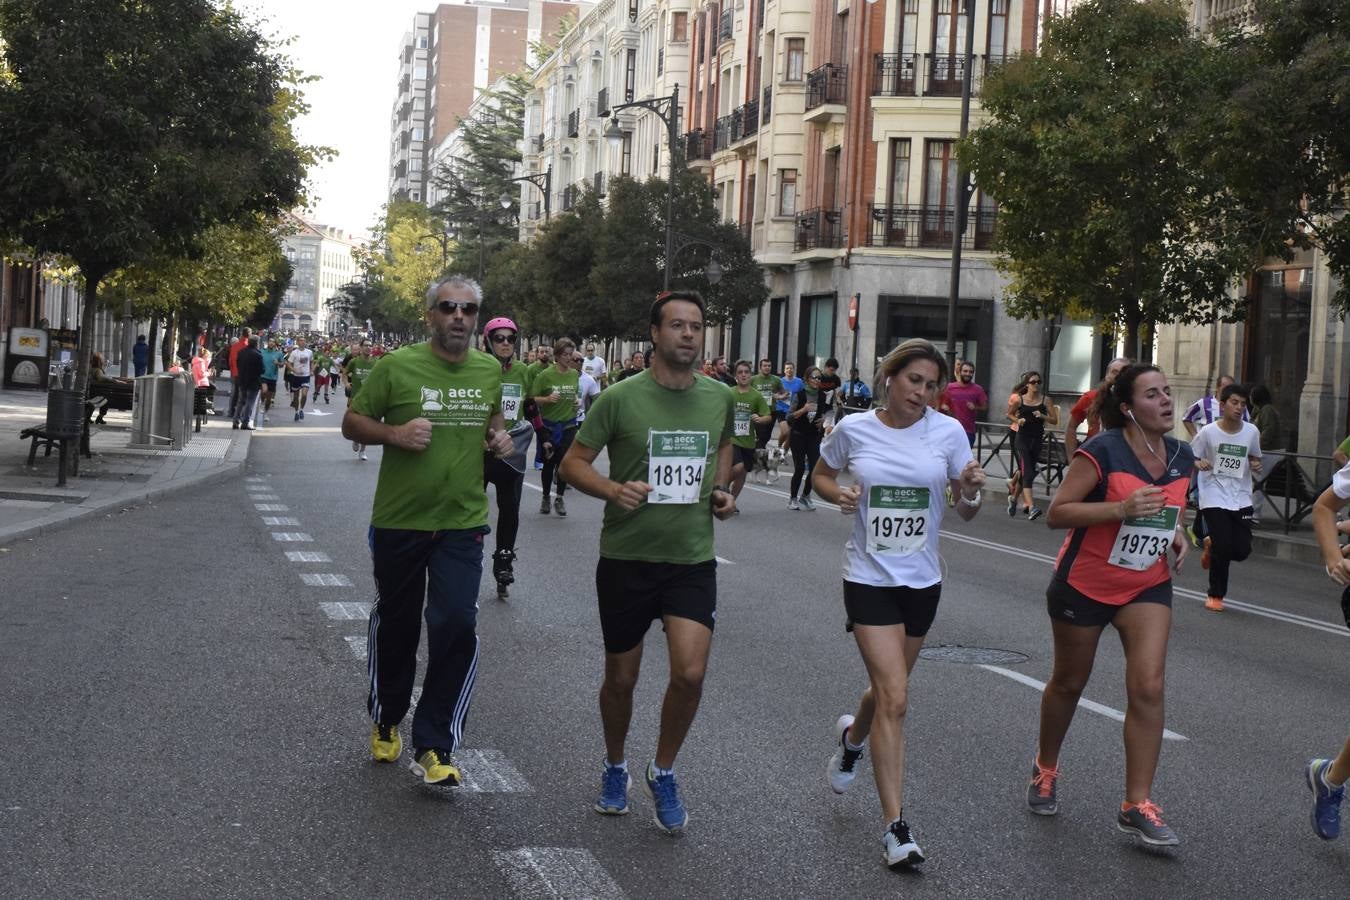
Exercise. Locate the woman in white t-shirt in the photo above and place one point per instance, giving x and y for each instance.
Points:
(903, 456)
(1227, 454)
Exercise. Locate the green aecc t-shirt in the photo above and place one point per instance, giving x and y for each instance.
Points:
(627, 420)
(750, 403)
(439, 488)
(567, 384)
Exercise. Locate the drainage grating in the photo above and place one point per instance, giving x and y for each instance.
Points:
(989, 656)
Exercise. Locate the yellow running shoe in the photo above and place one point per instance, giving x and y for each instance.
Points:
(385, 745)
(434, 767)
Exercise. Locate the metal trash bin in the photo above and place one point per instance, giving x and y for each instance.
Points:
(183, 396)
(152, 411)
(65, 413)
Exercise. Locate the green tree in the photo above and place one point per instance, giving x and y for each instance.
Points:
(1280, 137)
(1106, 209)
(629, 265)
(408, 253)
(126, 129)
(564, 255)
(509, 287)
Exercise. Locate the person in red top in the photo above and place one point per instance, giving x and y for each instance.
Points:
(1082, 409)
(1122, 500)
(237, 396)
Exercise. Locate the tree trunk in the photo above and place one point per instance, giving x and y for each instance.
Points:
(88, 316)
(1133, 319)
(154, 335)
(166, 349)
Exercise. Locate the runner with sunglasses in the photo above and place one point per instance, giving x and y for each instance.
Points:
(1030, 411)
(507, 473)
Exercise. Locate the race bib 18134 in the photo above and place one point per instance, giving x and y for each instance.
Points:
(676, 460)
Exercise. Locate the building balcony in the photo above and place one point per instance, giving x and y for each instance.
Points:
(602, 103)
(538, 142)
(660, 60)
(574, 123)
(826, 93)
(726, 27)
(697, 147)
(819, 228)
(570, 195)
(722, 133)
(745, 122)
(926, 75)
(929, 228)
(766, 106)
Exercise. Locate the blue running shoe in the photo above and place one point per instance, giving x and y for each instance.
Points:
(1326, 814)
(614, 785)
(665, 794)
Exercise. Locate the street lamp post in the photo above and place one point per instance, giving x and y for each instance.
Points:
(964, 190)
(679, 242)
(541, 180)
(668, 109)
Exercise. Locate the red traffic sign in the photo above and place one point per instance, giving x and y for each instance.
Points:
(853, 313)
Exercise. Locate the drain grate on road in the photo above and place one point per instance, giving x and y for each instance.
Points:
(972, 656)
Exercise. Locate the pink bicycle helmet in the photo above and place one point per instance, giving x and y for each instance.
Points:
(500, 322)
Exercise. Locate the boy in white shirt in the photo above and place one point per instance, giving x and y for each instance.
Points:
(1227, 453)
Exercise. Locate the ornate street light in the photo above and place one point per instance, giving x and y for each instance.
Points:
(667, 109)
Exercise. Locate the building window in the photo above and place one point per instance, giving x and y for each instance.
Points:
(899, 189)
(422, 41)
(417, 134)
(626, 154)
(787, 192)
(679, 27)
(908, 21)
(949, 27)
(795, 67)
(998, 29)
(420, 72)
(630, 76)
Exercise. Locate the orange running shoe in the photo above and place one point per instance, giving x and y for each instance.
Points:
(1214, 604)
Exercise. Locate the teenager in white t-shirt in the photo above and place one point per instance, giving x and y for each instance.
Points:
(298, 363)
(903, 457)
(588, 388)
(1227, 454)
(593, 365)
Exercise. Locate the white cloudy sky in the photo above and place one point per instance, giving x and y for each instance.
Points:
(352, 45)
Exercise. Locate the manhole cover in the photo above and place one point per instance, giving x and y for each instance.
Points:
(989, 656)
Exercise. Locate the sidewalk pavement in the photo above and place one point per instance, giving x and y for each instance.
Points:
(118, 476)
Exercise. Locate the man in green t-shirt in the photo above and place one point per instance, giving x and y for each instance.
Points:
(557, 392)
(435, 406)
(752, 413)
(667, 433)
(354, 370)
(770, 387)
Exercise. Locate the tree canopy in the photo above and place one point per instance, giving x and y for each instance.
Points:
(1108, 206)
(129, 129)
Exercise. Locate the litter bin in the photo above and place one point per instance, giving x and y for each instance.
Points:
(65, 413)
(152, 411)
(183, 395)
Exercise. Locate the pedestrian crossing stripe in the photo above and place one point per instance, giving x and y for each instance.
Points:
(489, 772)
(539, 872)
(346, 611)
(357, 644)
(271, 507)
(292, 536)
(285, 520)
(305, 555)
(326, 580)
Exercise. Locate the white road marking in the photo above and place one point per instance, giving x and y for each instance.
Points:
(297, 536)
(282, 520)
(357, 644)
(271, 507)
(326, 580)
(255, 479)
(265, 497)
(537, 873)
(724, 562)
(533, 487)
(306, 556)
(1022, 553)
(489, 772)
(346, 611)
(1089, 705)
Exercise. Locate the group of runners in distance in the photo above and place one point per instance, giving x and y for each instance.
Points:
(894, 457)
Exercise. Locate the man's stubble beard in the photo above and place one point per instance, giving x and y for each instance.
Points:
(449, 343)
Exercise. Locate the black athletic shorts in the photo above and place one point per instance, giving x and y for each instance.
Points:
(270, 384)
(915, 608)
(1067, 604)
(296, 382)
(633, 594)
(743, 455)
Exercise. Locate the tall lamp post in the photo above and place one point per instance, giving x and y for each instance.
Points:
(668, 109)
(541, 180)
(964, 191)
(679, 242)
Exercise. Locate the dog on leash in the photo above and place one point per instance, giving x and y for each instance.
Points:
(768, 461)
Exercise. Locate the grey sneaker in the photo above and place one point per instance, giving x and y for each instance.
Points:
(807, 504)
(545, 507)
(1041, 796)
(558, 506)
(1144, 820)
(899, 847)
(1034, 513)
(794, 503)
(844, 763)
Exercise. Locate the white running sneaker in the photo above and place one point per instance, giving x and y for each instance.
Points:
(356, 446)
(363, 455)
(900, 848)
(844, 763)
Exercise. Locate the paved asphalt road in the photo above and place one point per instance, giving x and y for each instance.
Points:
(183, 717)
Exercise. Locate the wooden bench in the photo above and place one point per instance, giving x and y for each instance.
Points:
(117, 395)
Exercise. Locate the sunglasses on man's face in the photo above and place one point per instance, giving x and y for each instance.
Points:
(503, 339)
(447, 307)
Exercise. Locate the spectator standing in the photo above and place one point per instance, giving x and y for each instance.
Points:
(233, 362)
(250, 363)
(856, 395)
(140, 356)
(1083, 410)
(1266, 418)
(1207, 409)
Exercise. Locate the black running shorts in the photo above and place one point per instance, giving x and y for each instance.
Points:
(743, 455)
(633, 594)
(1067, 604)
(915, 608)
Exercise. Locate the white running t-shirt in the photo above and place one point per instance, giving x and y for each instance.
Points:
(300, 361)
(1228, 483)
(903, 473)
